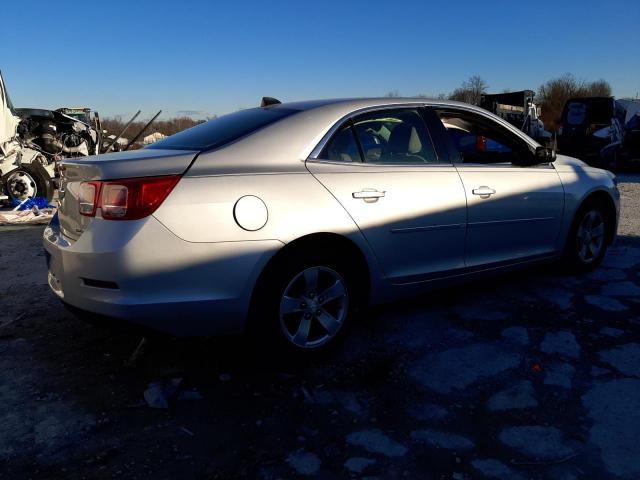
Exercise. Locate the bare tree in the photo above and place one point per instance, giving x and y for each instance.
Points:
(392, 94)
(599, 88)
(166, 127)
(470, 91)
(555, 92)
(477, 87)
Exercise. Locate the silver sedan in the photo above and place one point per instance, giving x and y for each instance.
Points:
(288, 218)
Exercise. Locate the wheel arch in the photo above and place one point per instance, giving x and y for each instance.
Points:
(44, 182)
(604, 198)
(334, 242)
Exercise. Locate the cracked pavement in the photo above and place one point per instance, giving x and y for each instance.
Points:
(532, 375)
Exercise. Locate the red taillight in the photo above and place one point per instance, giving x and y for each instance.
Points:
(114, 200)
(88, 198)
(127, 199)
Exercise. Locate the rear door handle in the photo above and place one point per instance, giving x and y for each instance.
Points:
(483, 191)
(369, 194)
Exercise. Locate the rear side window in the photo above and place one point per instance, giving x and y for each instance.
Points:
(220, 131)
(343, 147)
(395, 137)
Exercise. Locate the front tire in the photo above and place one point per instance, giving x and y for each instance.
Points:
(587, 242)
(304, 302)
(27, 182)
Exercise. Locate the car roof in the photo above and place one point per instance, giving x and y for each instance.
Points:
(334, 109)
(365, 102)
(283, 146)
(337, 108)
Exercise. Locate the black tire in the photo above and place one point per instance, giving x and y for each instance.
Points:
(574, 257)
(271, 329)
(37, 177)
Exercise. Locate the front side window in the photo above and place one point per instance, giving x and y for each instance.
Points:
(479, 140)
(395, 137)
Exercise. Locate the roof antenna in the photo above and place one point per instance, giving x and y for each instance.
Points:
(267, 101)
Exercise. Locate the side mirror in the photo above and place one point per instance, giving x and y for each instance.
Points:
(541, 155)
(545, 155)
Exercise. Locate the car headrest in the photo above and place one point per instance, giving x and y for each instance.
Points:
(404, 139)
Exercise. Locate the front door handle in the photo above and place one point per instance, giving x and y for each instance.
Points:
(369, 195)
(483, 191)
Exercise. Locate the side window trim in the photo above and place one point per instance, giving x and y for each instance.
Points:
(397, 108)
(352, 127)
(315, 155)
(446, 151)
(455, 151)
(346, 125)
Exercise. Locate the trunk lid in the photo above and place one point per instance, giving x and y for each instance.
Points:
(112, 166)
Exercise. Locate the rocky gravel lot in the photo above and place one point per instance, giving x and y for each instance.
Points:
(534, 375)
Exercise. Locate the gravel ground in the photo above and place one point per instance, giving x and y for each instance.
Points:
(532, 375)
(630, 191)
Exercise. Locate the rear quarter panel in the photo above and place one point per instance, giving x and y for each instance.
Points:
(201, 209)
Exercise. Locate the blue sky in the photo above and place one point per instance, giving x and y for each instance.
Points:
(215, 57)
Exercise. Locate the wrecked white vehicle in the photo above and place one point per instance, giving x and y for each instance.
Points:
(518, 109)
(24, 172)
(32, 141)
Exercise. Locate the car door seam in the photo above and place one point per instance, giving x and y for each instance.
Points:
(364, 237)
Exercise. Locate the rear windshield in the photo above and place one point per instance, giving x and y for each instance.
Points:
(223, 130)
(589, 111)
(576, 113)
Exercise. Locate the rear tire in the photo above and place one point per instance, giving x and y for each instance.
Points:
(303, 303)
(587, 241)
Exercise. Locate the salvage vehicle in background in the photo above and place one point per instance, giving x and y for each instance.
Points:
(287, 218)
(82, 114)
(34, 140)
(518, 109)
(25, 169)
(56, 134)
(602, 131)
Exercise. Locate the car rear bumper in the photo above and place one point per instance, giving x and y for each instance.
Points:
(139, 271)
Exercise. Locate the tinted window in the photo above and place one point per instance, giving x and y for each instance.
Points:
(343, 147)
(395, 136)
(576, 113)
(222, 130)
(479, 140)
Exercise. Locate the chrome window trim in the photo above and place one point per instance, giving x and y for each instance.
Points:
(485, 113)
(386, 165)
(315, 153)
(503, 123)
(504, 166)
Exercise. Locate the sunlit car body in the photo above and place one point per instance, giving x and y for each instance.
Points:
(366, 200)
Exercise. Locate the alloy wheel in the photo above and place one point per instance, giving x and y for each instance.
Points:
(313, 307)
(590, 236)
